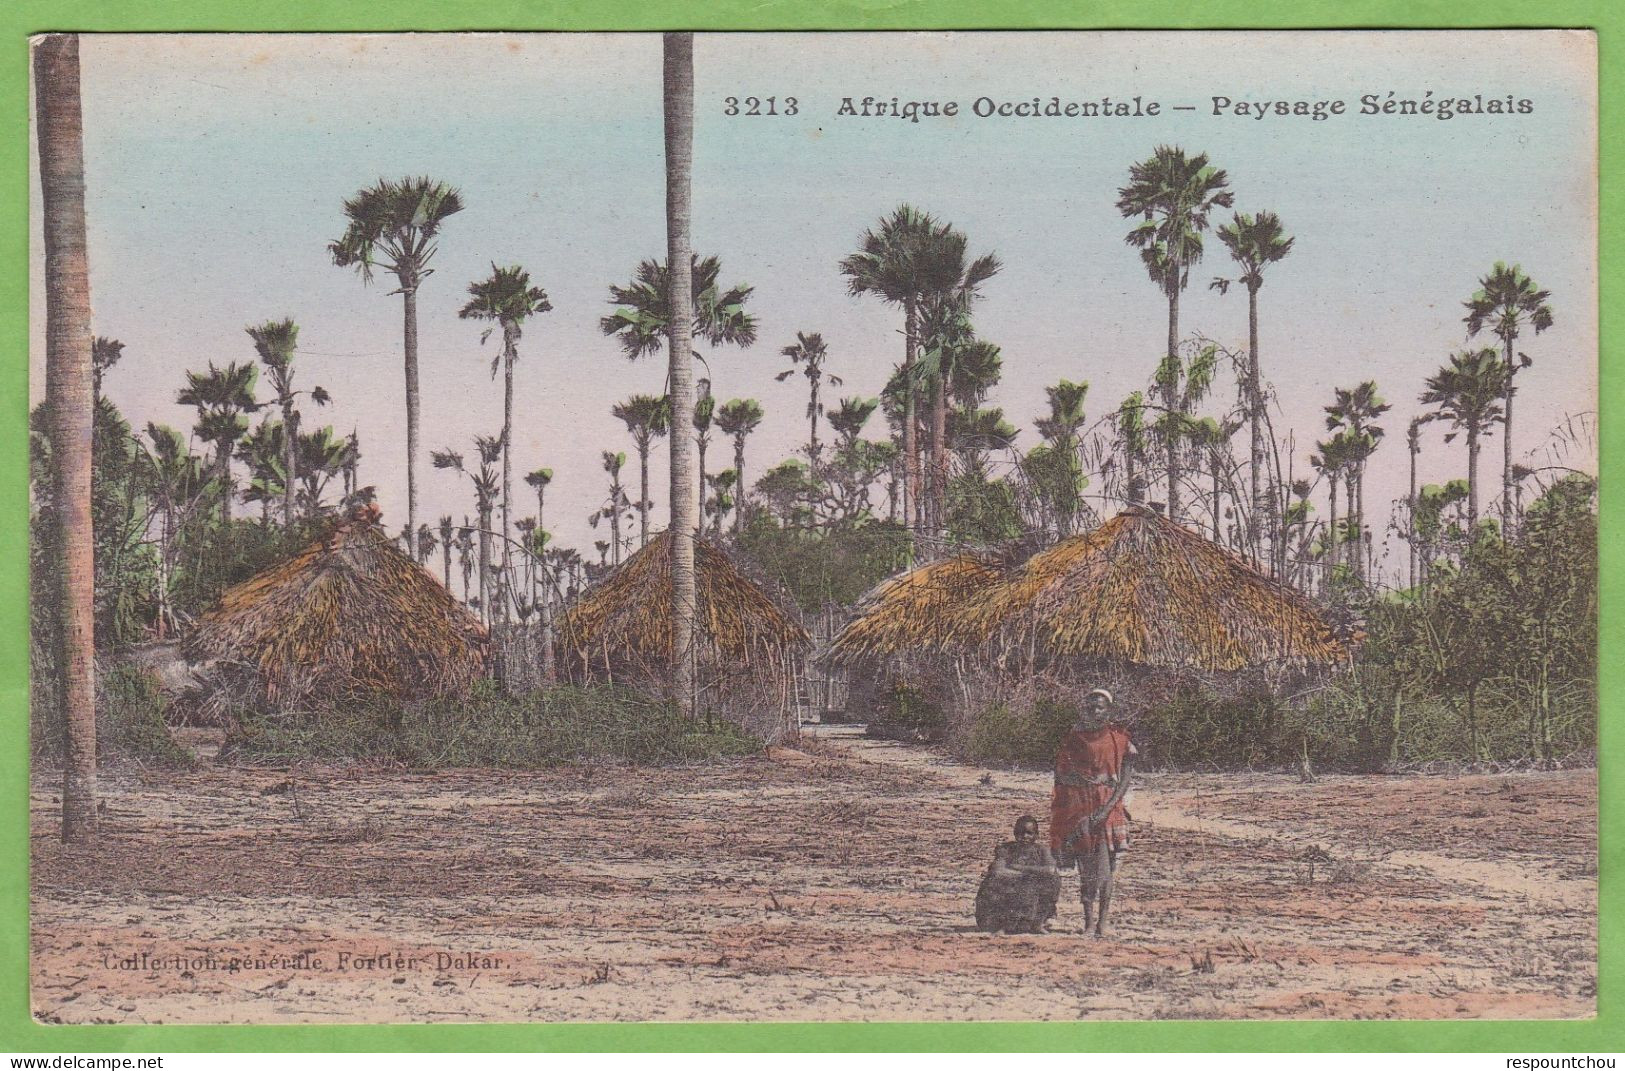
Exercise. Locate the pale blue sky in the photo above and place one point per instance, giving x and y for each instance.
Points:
(217, 164)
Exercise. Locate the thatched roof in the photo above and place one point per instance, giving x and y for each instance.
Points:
(629, 614)
(350, 613)
(920, 610)
(1139, 589)
(1144, 590)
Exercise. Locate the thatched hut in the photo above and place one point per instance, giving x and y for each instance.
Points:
(1142, 590)
(750, 649)
(350, 615)
(1139, 603)
(921, 610)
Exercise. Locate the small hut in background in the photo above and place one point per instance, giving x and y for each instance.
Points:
(1142, 590)
(920, 610)
(1139, 599)
(907, 629)
(750, 648)
(350, 615)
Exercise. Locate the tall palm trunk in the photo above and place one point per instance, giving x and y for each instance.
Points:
(1217, 503)
(643, 494)
(509, 355)
(222, 463)
(1353, 522)
(938, 509)
(911, 439)
(812, 431)
(1131, 476)
(1472, 477)
(678, 77)
(1170, 397)
(68, 387)
(163, 570)
(1332, 542)
(1364, 533)
(739, 495)
(545, 604)
(445, 558)
(1410, 508)
(1255, 421)
(485, 561)
(289, 460)
(1508, 484)
(410, 330)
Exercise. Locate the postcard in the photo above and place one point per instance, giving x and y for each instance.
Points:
(834, 527)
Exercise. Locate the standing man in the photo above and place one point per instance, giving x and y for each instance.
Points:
(1088, 823)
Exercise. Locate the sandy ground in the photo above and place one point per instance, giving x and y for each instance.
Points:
(833, 882)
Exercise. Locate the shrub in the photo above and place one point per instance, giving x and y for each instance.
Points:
(562, 725)
(905, 707)
(1012, 733)
(130, 723)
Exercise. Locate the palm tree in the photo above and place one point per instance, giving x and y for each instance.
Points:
(69, 391)
(321, 456)
(1172, 195)
(264, 451)
(1506, 300)
(1213, 438)
(396, 226)
(948, 337)
(426, 544)
(508, 300)
(973, 432)
(739, 418)
(539, 479)
(973, 371)
(617, 505)
(678, 101)
(809, 352)
(642, 319)
(647, 417)
(465, 554)
(1330, 463)
(849, 418)
(488, 448)
(445, 547)
(275, 341)
(1060, 433)
(1130, 423)
(1355, 412)
(104, 354)
(705, 407)
(178, 483)
(221, 396)
(352, 463)
(1469, 393)
(909, 260)
(1413, 442)
(721, 500)
(1183, 382)
(1254, 242)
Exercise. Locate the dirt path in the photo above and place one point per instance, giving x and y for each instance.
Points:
(832, 882)
(1160, 802)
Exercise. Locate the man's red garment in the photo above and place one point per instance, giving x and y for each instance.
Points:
(1086, 772)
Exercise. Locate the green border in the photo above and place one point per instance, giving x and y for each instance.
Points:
(24, 17)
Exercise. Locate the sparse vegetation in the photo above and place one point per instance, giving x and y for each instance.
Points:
(550, 728)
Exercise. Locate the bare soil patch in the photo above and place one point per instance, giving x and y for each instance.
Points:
(832, 882)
